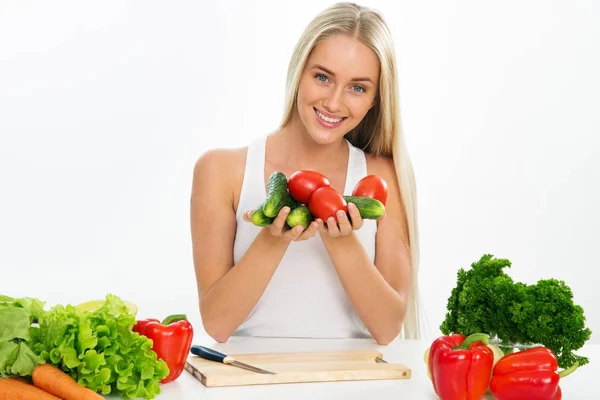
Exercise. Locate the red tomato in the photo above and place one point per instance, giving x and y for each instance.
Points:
(303, 183)
(372, 186)
(325, 202)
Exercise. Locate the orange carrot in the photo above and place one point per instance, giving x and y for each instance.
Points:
(55, 381)
(19, 389)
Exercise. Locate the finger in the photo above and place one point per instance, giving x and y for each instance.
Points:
(279, 221)
(357, 220)
(322, 226)
(344, 223)
(248, 215)
(332, 227)
(310, 231)
(294, 233)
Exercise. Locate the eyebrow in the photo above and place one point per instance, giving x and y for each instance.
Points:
(365, 79)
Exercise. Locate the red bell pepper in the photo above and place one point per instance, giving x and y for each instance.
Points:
(528, 374)
(461, 366)
(171, 340)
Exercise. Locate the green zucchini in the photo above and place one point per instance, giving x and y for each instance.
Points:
(369, 208)
(300, 215)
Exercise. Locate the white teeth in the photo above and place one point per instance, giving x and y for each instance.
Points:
(330, 120)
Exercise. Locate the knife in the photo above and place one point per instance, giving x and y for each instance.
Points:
(213, 355)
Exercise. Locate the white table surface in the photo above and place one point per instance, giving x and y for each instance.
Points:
(579, 385)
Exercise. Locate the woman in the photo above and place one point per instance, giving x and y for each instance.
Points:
(339, 278)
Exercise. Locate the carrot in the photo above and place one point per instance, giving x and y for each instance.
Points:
(55, 381)
(19, 389)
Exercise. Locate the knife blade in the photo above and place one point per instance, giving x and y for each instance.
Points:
(213, 355)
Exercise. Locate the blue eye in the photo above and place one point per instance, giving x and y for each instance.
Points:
(357, 88)
(321, 77)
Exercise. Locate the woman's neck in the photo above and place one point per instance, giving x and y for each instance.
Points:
(293, 146)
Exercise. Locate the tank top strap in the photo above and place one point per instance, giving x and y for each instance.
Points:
(357, 167)
(253, 184)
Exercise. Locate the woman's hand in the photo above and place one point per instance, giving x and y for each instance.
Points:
(342, 225)
(280, 228)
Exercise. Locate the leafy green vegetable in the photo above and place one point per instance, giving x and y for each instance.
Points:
(34, 307)
(16, 357)
(486, 299)
(98, 348)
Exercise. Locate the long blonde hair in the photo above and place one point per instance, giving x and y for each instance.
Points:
(380, 132)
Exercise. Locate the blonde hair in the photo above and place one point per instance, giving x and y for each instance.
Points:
(380, 132)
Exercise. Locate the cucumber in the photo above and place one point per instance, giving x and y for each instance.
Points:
(276, 192)
(368, 207)
(289, 201)
(278, 195)
(259, 218)
(300, 215)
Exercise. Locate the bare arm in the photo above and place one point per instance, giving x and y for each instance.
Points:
(227, 294)
(378, 290)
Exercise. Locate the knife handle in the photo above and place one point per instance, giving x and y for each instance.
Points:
(210, 354)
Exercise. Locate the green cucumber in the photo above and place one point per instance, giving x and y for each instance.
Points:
(278, 195)
(259, 218)
(368, 207)
(288, 201)
(300, 215)
(276, 192)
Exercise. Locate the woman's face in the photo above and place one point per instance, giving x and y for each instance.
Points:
(337, 88)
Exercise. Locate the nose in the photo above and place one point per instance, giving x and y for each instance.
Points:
(333, 101)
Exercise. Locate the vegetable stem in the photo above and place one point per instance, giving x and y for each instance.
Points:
(174, 318)
(566, 372)
(482, 337)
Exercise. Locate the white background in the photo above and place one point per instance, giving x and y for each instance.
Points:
(105, 107)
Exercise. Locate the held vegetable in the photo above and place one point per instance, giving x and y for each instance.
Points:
(369, 208)
(325, 202)
(372, 186)
(309, 195)
(461, 367)
(277, 195)
(303, 183)
(288, 201)
(259, 218)
(528, 374)
(172, 340)
(300, 215)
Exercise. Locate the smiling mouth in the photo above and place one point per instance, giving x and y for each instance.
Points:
(329, 119)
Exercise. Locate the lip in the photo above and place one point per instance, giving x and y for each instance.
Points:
(326, 124)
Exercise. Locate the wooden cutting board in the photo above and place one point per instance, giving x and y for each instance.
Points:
(307, 366)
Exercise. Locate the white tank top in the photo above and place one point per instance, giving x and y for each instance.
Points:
(305, 297)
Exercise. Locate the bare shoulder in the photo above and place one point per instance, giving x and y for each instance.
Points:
(221, 170)
(220, 161)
